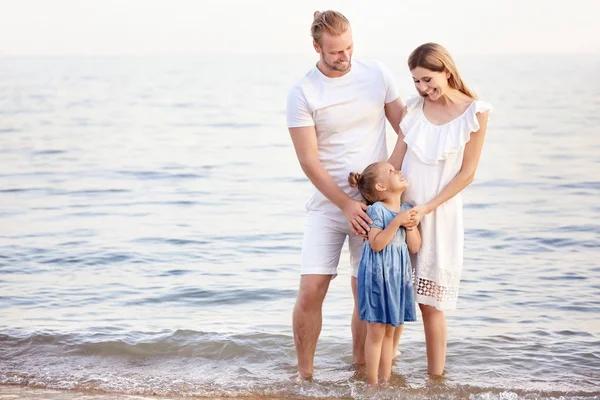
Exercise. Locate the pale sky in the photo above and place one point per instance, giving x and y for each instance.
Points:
(147, 27)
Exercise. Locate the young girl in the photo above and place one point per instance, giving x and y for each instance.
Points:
(385, 293)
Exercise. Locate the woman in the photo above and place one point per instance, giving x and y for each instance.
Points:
(438, 150)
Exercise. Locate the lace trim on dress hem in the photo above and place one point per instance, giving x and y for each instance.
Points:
(429, 288)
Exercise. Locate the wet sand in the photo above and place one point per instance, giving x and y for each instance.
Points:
(26, 393)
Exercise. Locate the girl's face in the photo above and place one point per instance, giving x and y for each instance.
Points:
(390, 179)
(430, 83)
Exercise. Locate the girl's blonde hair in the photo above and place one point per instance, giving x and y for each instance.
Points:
(332, 22)
(435, 57)
(365, 183)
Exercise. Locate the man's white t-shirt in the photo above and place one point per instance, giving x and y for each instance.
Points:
(349, 119)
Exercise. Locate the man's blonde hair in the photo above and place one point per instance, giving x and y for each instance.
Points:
(332, 22)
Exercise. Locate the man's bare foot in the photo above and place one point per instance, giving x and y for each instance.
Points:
(360, 372)
(301, 377)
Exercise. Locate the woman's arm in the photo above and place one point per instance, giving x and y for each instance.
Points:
(465, 175)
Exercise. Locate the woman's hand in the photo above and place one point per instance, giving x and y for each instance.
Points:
(420, 212)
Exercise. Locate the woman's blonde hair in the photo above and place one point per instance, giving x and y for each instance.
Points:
(332, 22)
(366, 182)
(435, 57)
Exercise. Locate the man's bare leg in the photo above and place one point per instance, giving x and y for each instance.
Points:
(359, 329)
(307, 320)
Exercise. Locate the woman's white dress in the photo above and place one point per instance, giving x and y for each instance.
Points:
(434, 156)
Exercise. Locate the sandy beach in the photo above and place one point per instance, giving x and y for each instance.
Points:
(23, 393)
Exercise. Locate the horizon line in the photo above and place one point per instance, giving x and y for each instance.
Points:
(158, 54)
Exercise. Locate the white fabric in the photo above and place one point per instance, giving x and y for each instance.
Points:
(349, 119)
(322, 246)
(433, 158)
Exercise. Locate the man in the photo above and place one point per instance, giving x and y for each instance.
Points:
(336, 118)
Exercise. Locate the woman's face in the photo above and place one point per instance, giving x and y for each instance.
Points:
(430, 83)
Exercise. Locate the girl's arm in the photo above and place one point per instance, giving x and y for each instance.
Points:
(379, 238)
(465, 175)
(413, 240)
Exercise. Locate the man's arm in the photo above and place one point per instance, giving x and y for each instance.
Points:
(394, 112)
(394, 108)
(399, 152)
(305, 144)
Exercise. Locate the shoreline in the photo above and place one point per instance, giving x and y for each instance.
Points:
(13, 392)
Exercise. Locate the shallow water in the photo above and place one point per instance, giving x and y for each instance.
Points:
(151, 215)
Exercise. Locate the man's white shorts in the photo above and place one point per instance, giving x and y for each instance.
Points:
(322, 245)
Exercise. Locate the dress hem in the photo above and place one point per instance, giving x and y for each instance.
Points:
(387, 323)
(430, 301)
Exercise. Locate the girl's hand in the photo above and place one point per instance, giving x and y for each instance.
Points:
(407, 218)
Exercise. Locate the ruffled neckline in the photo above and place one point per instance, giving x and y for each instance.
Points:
(422, 110)
(433, 143)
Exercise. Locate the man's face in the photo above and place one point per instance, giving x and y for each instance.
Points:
(336, 51)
